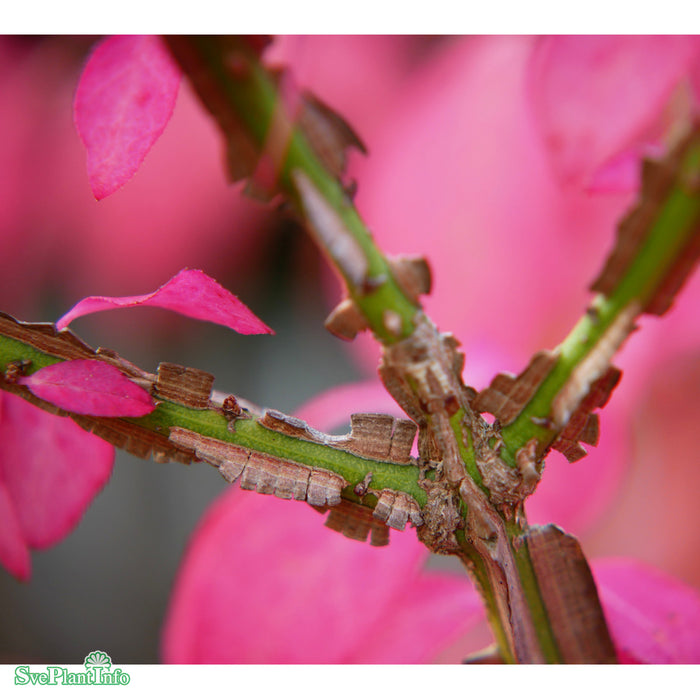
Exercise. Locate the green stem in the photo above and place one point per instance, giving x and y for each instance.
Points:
(465, 444)
(496, 614)
(248, 432)
(672, 236)
(535, 603)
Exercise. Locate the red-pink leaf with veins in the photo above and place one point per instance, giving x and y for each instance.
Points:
(50, 470)
(125, 98)
(190, 293)
(89, 387)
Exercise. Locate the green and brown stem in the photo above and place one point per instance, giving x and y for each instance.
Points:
(657, 249)
(34, 346)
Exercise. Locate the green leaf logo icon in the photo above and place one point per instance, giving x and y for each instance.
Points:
(97, 658)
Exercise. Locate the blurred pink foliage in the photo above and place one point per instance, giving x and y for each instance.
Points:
(124, 100)
(613, 87)
(50, 471)
(292, 591)
(490, 155)
(653, 618)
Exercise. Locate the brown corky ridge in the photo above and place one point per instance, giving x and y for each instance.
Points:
(659, 178)
(264, 473)
(506, 396)
(569, 595)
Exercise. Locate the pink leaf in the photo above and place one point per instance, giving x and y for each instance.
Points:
(190, 293)
(89, 387)
(125, 98)
(653, 618)
(595, 96)
(50, 470)
(570, 497)
(264, 581)
(427, 617)
(14, 553)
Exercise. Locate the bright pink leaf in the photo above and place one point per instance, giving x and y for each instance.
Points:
(190, 293)
(426, 618)
(653, 618)
(289, 590)
(125, 98)
(89, 387)
(597, 96)
(50, 470)
(664, 426)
